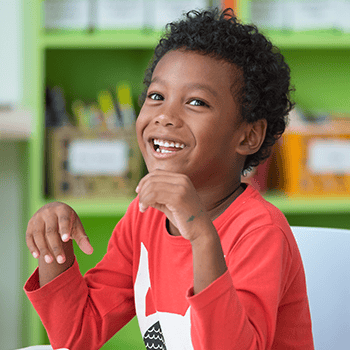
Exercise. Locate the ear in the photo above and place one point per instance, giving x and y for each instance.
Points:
(252, 137)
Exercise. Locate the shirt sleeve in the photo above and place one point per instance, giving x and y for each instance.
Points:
(239, 310)
(84, 312)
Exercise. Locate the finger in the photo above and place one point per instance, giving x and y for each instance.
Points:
(79, 235)
(158, 172)
(31, 244)
(161, 176)
(167, 175)
(65, 224)
(53, 239)
(38, 234)
(158, 195)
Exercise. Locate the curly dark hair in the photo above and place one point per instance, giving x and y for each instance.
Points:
(265, 91)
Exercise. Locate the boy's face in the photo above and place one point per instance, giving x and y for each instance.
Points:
(189, 122)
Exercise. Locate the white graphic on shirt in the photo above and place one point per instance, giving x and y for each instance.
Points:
(173, 330)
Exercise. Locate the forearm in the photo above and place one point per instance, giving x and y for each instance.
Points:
(208, 258)
(49, 271)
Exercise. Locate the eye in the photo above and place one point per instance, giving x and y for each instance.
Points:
(156, 97)
(198, 103)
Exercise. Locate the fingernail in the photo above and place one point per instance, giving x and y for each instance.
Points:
(35, 255)
(142, 208)
(65, 237)
(47, 259)
(137, 189)
(60, 259)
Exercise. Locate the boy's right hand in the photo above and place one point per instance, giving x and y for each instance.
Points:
(51, 226)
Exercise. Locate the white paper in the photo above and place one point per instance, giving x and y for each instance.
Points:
(314, 15)
(119, 14)
(329, 156)
(268, 14)
(10, 52)
(300, 15)
(92, 157)
(166, 11)
(67, 14)
(342, 15)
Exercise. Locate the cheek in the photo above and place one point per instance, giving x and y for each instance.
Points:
(216, 144)
(138, 124)
(141, 123)
(139, 135)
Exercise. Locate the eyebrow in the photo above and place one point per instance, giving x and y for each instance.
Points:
(203, 87)
(199, 86)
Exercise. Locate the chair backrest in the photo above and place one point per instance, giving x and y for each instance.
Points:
(326, 257)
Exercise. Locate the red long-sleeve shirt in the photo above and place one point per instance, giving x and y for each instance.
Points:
(259, 303)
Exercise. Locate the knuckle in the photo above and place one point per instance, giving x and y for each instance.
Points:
(56, 249)
(64, 218)
(64, 208)
(30, 244)
(37, 232)
(51, 208)
(80, 238)
(29, 240)
(28, 234)
(182, 190)
(74, 230)
(50, 231)
(32, 223)
(43, 250)
(65, 222)
(152, 196)
(47, 212)
(153, 187)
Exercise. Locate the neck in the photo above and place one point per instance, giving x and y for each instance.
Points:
(218, 200)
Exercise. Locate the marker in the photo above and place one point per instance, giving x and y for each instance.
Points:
(125, 101)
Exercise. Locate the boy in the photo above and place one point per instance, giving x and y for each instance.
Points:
(201, 259)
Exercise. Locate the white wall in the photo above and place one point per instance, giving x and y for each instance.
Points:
(12, 241)
(10, 52)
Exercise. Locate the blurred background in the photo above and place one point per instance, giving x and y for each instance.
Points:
(71, 72)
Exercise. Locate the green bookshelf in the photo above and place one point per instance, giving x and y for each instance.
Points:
(85, 62)
(310, 40)
(118, 39)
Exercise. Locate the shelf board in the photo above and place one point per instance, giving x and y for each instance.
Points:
(140, 39)
(312, 205)
(120, 39)
(95, 207)
(302, 205)
(327, 40)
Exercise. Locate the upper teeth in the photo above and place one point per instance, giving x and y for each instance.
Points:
(164, 143)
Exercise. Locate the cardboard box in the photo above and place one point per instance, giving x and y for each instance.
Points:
(93, 165)
(316, 160)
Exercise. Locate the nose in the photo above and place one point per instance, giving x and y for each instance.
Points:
(168, 120)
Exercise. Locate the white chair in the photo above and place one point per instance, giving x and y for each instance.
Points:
(326, 256)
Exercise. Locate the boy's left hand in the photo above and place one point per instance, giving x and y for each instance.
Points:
(174, 195)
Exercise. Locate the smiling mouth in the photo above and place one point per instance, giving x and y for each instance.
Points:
(167, 146)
